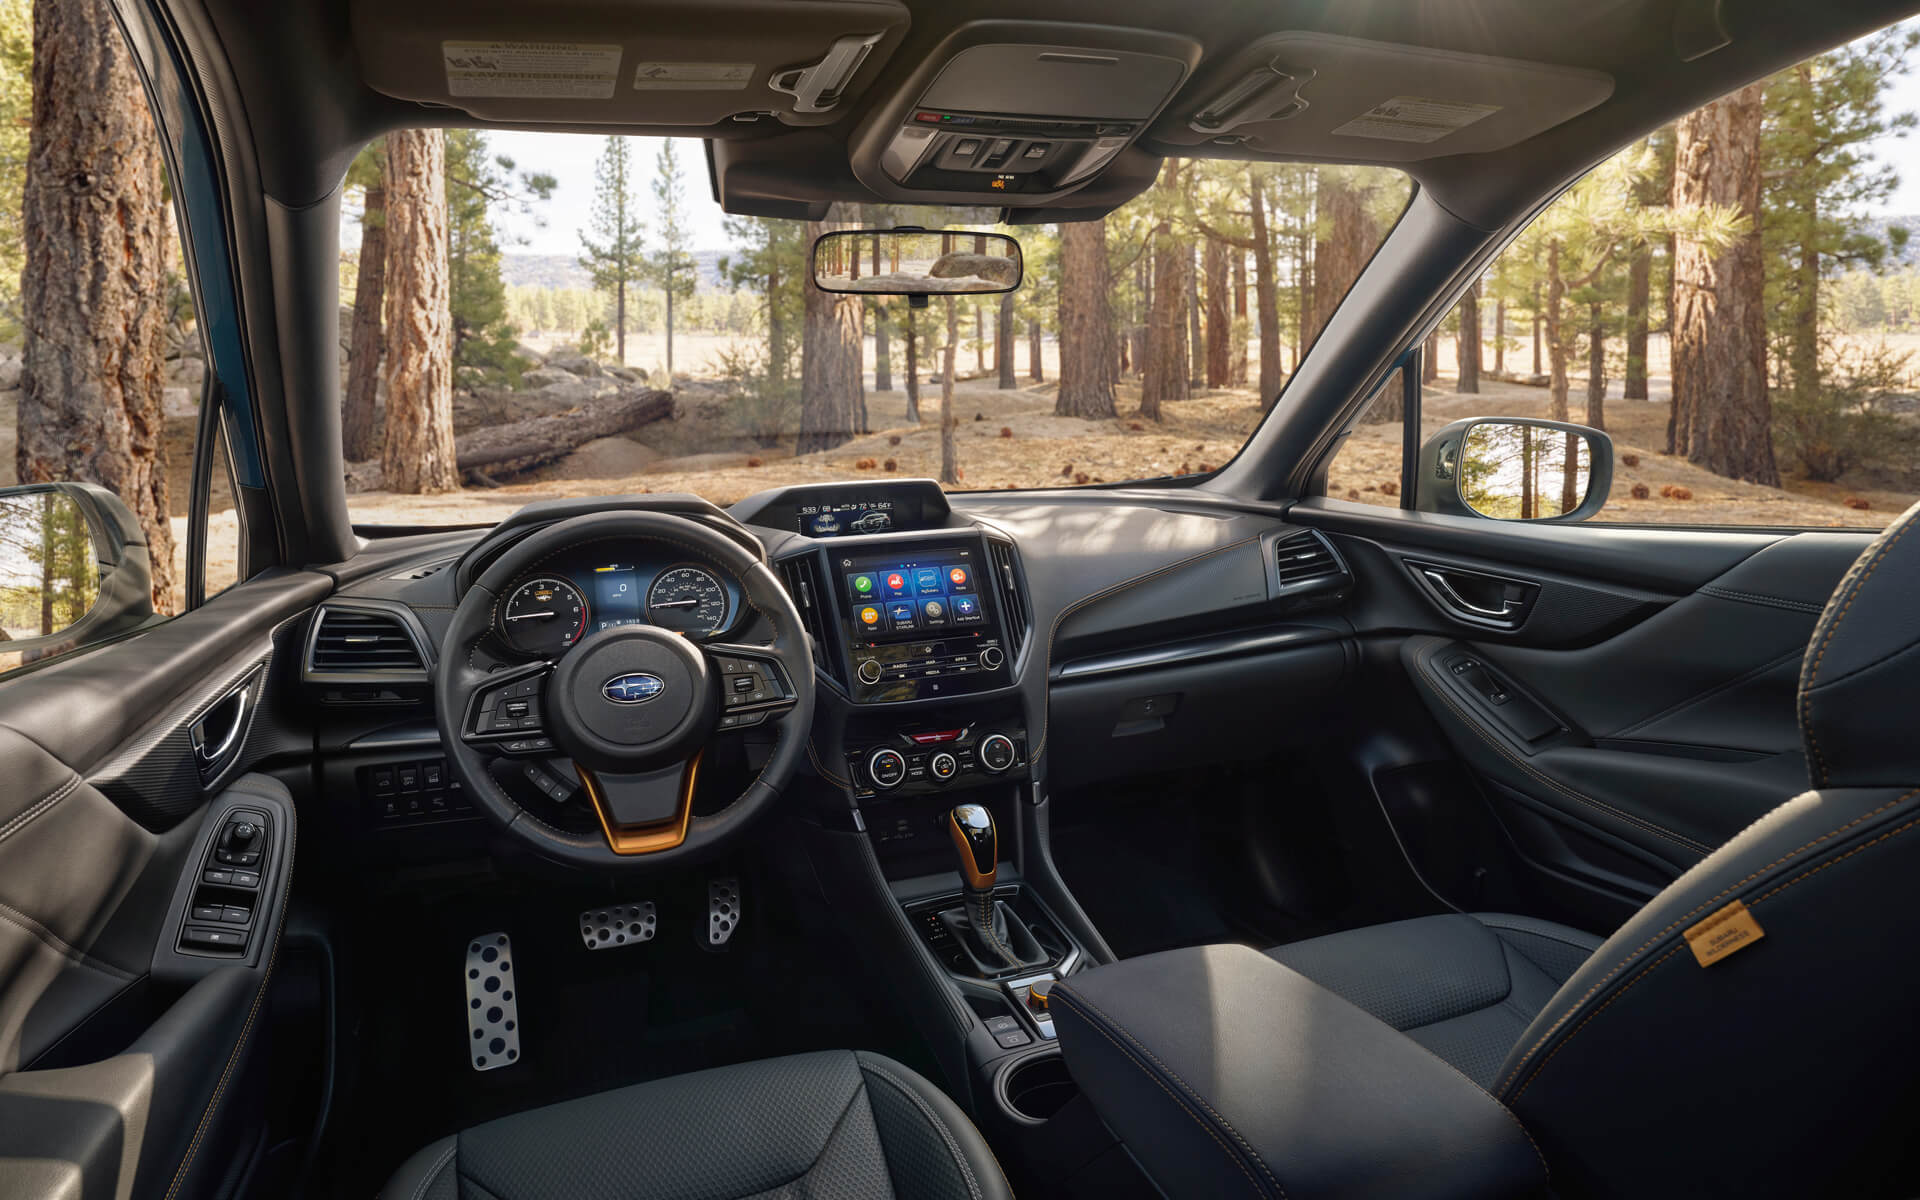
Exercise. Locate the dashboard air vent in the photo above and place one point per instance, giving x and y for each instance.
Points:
(1006, 585)
(1305, 556)
(362, 641)
(424, 572)
(801, 575)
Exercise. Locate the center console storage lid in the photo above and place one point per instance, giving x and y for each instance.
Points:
(1227, 1074)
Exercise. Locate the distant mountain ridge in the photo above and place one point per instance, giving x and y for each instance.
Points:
(565, 271)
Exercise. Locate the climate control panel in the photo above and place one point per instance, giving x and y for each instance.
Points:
(918, 761)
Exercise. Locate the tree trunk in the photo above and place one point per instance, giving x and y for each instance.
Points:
(1036, 367)
(1467, 346)
(620, 321)
(949, 466)
(1196, 346)
(1536, 330)
(1803, 295)
(1639, 295)
(1266, 295)
(1237, 373)
(1430, 358)
(1342, 254)
(364, 344)
(669, 333)
(1143, 289)
(1500, 337)
(1087, 362)
(833, 395)
(882, 350)
(1219, 324)
(1557, 384)
(418, 455)
(1722, 412)
(1165, 379)
(913, 367)
(1596, 366)
(522, 445)
(94, 279)
(776, 326)
(979, 339)
(1003, 343)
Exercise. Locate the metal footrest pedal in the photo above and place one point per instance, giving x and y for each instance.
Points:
(493, 1016)
(618, 925)
(723, 909)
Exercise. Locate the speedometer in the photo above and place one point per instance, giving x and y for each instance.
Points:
(687, 600)
(543, 617)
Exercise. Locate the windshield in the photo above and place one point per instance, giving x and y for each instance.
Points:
(527, 316)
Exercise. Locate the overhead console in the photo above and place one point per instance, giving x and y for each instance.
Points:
(1021, 113)
(662, 63)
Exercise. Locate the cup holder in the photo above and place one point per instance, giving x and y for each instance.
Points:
(1037, 1087)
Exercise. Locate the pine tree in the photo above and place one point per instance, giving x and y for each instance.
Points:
(365, 344)
(833, 396)
(418, 455)
(671, 265)
(480, 184)
(611, 252)
(1087, 362)
(16, 121)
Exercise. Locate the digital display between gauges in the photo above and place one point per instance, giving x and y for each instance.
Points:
(687, 600)
(616, 596)
(543, 617)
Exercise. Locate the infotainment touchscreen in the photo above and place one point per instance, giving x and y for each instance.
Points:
(919, 622)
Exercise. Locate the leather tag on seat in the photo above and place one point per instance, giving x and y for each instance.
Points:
(1730, 929)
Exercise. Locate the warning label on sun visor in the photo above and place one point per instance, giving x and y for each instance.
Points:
(692, 76)
(535, 70)
(1415, 119)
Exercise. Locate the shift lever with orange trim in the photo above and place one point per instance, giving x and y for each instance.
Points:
(971, 827)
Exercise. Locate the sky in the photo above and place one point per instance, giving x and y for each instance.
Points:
(553, 227)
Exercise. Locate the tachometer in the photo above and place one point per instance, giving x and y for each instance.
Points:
(687, 600)
(543, 617)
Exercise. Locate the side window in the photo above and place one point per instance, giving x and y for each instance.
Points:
(101, 387)
(1728, 299)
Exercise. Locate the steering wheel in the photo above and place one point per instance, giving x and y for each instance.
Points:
(633, 706)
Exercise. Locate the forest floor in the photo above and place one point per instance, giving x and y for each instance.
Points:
(1011, 439)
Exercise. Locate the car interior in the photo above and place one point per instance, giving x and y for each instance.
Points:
(1198, 836)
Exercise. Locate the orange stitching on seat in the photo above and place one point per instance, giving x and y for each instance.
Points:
(1182, 1105)
(1590, 1016)
(1679, 839)
(1684, 919)
(1813, 672)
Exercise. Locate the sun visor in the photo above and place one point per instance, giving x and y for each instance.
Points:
(1313, 95)
(687, 63)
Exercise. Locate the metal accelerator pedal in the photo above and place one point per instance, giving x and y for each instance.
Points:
(493, 1017)
(618, 925)
(723, 909)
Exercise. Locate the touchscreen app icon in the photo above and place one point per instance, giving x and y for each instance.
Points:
(935, 611)
(896, 583)
(869, 615)
(957, 577)
(901, 614)
(927, 579)
(863, 585)
(966, 609)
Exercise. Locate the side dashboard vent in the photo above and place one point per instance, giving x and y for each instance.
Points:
(1006, 585)
(1304, 557)
(364, 641)
(801, 576)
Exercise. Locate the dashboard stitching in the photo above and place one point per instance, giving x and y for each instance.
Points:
(1046, 666)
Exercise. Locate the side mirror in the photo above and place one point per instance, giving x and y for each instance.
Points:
(73, 570)
(1516, 469)
(916, 262)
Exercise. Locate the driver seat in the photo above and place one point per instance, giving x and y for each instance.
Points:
(839, 1123)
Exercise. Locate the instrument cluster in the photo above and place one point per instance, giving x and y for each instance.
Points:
(544, 614)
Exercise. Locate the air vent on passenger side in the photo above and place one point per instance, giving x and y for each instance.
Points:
(801, 576)
(364, 639)
(1006, 585)
(1303, 557)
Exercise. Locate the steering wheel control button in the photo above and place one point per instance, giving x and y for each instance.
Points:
(943, 766)
(887, 768)
(997, 752)
(493, 1016)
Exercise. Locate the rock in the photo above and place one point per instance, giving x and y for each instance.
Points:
(187, 372)
(573, 362)
(469, 377)
(541, 377)
(9, 373)
(607, 458)
(535, 357)
(624, 374)
(179, 402)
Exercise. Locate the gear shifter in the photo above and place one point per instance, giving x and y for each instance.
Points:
(971, 827)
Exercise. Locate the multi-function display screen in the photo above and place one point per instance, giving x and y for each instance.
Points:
(929, 595)
(839, 518)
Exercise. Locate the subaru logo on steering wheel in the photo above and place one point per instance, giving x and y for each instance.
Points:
(633, 689)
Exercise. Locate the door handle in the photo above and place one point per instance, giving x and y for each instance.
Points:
(216, 736)
(1452, 596)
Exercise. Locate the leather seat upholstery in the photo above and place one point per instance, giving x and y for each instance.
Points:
(833, 1124)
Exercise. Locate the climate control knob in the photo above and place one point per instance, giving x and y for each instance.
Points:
(991, 658)
(997, 752)
(943, 766)
(886, 768)
(869, 671)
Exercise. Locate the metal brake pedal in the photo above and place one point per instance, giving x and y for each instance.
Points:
(493, 1016)
(723, 909)
(618, 925)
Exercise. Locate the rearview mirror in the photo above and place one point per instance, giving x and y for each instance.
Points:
(1516, 469)
(73, 570)
(900, 262)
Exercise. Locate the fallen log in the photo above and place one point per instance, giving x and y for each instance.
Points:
(497, 450)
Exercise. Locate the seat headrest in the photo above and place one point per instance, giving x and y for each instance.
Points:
(1860, 680)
